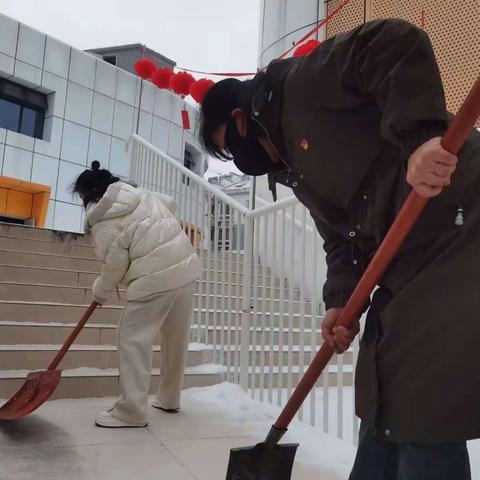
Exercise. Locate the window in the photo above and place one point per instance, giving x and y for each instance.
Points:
(187, 163)
(22, 110)
(110, 59)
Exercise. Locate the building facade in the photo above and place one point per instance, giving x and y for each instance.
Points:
(60, 109)
(125, 56)
(235, 185)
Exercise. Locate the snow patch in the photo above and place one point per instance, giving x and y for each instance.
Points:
(332, 456)
(207, 369)
(8, 323)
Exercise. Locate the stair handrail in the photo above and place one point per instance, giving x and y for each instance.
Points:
(188, 173)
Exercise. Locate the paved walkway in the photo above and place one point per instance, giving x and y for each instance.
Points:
(60, 442)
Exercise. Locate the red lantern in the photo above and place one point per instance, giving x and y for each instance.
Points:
(185, 119)
(144, 68)
(181, 83)
(200, 88)
(306, 48)
(161, 77)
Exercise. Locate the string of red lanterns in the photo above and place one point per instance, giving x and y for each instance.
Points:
(184, 84)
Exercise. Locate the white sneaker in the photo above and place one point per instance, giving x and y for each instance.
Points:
(157, 404)
(107, 420)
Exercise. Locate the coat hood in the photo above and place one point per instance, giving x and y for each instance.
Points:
(119, 200)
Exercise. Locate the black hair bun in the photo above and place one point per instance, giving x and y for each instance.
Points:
(95, 165)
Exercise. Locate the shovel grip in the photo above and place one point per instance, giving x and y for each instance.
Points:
(59, 357)
(452, 141)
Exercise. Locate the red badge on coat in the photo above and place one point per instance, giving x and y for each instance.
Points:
(304, 145)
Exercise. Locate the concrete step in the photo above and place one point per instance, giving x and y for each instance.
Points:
(51, 293)
(55, 333)
(32, 357)
(278, 356)
(259, 304)
(67, 249)
(92, 266)
(22, 231)
(280, 377)
(39, 292)
(95, 382)
(48, 276)
(218, 276)
(284, 336)
(32, 259)
(45, 312)
(51, 276)
(44, 335)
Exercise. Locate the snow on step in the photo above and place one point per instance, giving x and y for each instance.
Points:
(207, 369)
(193, 347)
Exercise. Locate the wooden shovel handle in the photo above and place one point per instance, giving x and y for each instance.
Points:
(59, 357)
(452, 141)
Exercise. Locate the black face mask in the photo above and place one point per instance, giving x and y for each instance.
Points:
(248, 154)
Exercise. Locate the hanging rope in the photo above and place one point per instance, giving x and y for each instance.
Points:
(317, 28)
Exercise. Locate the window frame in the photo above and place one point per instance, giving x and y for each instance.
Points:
(25, 97)
(111, 55)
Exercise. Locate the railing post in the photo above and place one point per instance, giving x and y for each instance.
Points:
(246, 304)
(131, 156)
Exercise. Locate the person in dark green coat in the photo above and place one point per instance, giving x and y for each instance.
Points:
(351, 128)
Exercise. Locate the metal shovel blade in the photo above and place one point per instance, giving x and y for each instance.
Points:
(35, 391)
(261, 462)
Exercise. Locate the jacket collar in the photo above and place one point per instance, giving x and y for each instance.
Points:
(120, 199)
(267, 103)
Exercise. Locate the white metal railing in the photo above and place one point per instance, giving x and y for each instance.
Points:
(258, 303)
(215, 223)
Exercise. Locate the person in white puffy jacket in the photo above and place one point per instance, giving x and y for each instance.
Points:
(142, 247)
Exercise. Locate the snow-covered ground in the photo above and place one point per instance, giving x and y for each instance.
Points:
(60, 441)
(332, 456)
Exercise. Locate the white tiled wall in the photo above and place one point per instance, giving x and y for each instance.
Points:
(7, 65)
(57, 57)
(79, 104)
(2, 148)
(67, 217)
(106, 79)
(102, 113)
(118, 159)
(99, 148)
(9, 36)
(27, 74)
(92, 111)
(30, 46)
(44, 169)
(56, 88)
(17, 163)
(82, 68)
(67, 174)
(123, 120)
(75, 143)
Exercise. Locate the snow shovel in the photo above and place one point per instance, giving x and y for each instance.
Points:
(39, 386)
(271, 461)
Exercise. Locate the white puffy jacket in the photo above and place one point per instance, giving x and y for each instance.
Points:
(140, 242)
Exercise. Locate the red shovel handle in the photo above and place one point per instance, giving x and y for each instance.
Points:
(452, 141)
(59, 357)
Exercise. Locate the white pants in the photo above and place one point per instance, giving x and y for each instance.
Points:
(170, 313)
